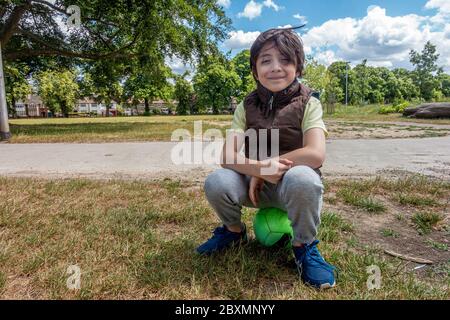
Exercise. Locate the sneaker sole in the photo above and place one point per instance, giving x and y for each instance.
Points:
(327, 286)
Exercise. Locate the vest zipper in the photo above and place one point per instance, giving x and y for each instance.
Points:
(271, 102)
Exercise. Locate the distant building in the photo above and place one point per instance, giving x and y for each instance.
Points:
(89, 105)
(155, 106)
(32, 106)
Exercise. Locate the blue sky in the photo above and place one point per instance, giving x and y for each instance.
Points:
(318, 11)
(381, 31)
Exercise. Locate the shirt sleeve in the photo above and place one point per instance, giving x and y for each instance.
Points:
(238, 123)
(312, 117)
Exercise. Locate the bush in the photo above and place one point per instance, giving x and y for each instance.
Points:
(387, 109)
(401, 107)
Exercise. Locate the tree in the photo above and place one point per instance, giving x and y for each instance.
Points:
(17, 86)
(406, 84)
(215, 83)
(106, 76)
(377, 84)
(338, 71)
(58, 90)
(333, 89)
(147, 82)
(444, 80)
(241, 65)
(359, 85)
(111, 29)
(315, 75)
(184, 93)
(126, 29)
(426, 70)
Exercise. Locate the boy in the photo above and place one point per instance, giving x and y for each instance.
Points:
(294, 184)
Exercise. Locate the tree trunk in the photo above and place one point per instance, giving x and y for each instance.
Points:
(64, 109)
(429, 110)
(147, 107)
(5, 134)
(108, 106)
(13, 106)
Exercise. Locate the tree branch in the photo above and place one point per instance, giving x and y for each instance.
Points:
(62, 10)
(60, 50)
(24, 53)
(12, 23)
(48, 4)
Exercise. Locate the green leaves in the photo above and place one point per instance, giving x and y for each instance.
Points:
(426, 70)
(215, 83)
(58, 90)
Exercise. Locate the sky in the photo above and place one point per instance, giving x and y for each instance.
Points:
(381, 31)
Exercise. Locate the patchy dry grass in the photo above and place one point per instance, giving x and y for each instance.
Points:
(359, 198)
(112, 129)
(370, 113)
(136, 240)
(425, 221)
(160, 128)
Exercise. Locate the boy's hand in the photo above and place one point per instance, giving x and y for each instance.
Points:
(278, 167)
(256, 185)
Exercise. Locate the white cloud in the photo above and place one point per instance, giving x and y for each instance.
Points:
(251, 11)
(381, 39)
(301, 18)
(179, 67)
(285, 26)
(271, 4)
(240, 39)
(442, 5)
(224, 3)
(325, 57)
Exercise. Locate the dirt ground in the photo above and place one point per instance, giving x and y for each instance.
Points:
(406, 240)
(339, 129)
(380, 130)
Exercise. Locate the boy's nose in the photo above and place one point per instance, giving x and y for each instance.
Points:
(276, 67)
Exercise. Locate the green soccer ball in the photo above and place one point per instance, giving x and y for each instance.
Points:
(270, 225)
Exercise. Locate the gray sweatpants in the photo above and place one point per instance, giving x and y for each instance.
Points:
(299, 193)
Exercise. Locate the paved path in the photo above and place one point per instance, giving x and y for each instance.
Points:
(148, 160)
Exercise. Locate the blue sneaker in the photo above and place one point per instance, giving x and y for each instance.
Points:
(223, 238)
(312, 267)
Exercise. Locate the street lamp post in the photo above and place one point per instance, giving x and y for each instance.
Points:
(4, 125)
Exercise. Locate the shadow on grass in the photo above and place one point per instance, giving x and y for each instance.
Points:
(230, 274)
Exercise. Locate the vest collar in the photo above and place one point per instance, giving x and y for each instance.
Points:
(270, 100)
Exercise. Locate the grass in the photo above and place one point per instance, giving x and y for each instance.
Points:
(415, 200)
(136, 240)
(160, 128)
(425, 221)
(355, 197)
(438, 245)
(389, 233)
(111, 129)
(370, 113)
(2, 281)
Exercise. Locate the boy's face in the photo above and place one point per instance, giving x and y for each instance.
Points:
(274, 71)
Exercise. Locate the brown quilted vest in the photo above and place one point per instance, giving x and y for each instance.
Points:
(282, 110)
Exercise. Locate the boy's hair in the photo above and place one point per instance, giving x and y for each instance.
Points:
(287, 41)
